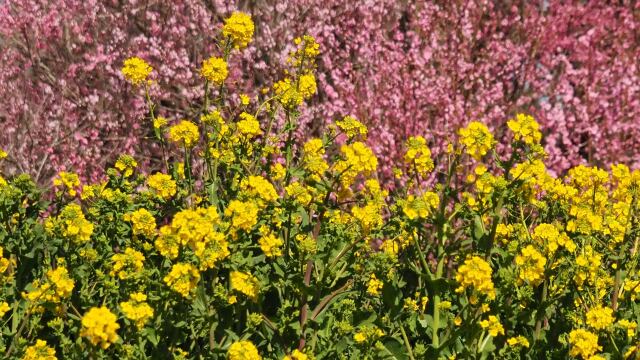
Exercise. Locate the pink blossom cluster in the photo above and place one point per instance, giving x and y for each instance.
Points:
(401, 67)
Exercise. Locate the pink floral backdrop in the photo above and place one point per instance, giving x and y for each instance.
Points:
(402, 67)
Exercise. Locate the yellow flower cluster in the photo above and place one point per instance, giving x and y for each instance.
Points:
(239, 29)
(142, 222)
(307, 85)
(418, 156)
(526, 129)
(136, 70)
(71, 224)
(257, 186)
(70, 181)
(422, 206)
(160, 122)
(163, 185)
(296, 355)
(547, 235)
(214, 69)
(185, 133)
(137, 310)
(40, 351)
(352, 127)
(518, 341)
(58, 286)
(583, 343)
(4, 266)
(128, 264)
(100, 326)
(300, 193)
(600, 317)
(475, 273)
(126, 164)
(374, 286)
(4, 308)
(309, 50)
(183, 279)
(477, 139)
(368, 216)
(271, 245)
(243, 350)
(248, 127)
(244, 215)
(492, 325)
(629, 326)
(245, 283)
(368, 333)
(531, 266)
(314, 163)
(195, 229)
(358, 159)
(287, 93)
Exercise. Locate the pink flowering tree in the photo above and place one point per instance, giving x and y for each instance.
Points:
(401, 67)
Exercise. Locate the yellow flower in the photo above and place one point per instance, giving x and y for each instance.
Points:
(600, 317)
(368, 333)
(630, 326)
(160, 122)
(420, 207)
(287, 93)
(70, 180)
(58, 286)
(525, 128)
(257, 186)
(245, 283)
(243, 350)
(244, 99)
(143, 222)
(214, 69)
(40, 351)
(126, 164)
(299, 193)
(531, 265)
(418, 156)
(137, 310)
(3, 154)
(307, 85)
(278, 171)
(4, 308)
(248, 126)
(296, 355)
(163, 185)
(271, 245)
(358, 159)
(492, 325)
(239, 29)
(183, 278)
(583, 343)
(127, 264)
(518, 341)
(184, 133)
(352, 127)
(374, 286)
(244, 215)
(71, 224)
(99, 326)
(477, 139)
(476, 273)
(309, 50)
(136, 70)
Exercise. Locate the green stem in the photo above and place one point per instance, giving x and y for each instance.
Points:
(406, 342)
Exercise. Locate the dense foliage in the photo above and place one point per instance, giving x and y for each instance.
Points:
(250, 244)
